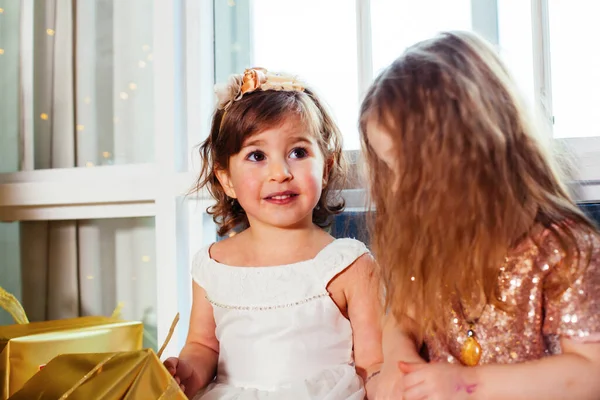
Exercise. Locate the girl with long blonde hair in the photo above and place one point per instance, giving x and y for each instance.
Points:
(486, 259)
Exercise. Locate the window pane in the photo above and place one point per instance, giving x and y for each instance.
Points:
(397, 24)
(9, 79)
(516, 44)
(291, 36)
(114, 82)
(196, 230)
(89, 99)
(63, 269)
(575, 68)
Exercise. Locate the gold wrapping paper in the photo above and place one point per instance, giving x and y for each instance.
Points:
(135, 375)
(26, 348)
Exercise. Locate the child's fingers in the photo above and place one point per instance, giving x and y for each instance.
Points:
(418, 392)
(407, 368)
(171, 365)
(184, 371)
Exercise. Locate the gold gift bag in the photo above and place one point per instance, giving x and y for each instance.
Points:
(134, 375)
(26, 347)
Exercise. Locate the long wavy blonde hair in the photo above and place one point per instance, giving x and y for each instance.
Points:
(473, 178)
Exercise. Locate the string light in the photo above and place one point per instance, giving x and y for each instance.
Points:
(124, 95)
(146, 258)
(1, 49)
(90, 277)
(89, 164)
(150, 57)
(146, 48)
(50, 32)
(132, 86)
(142, 64)
(105, 154)
(44, 116)
(80, 127)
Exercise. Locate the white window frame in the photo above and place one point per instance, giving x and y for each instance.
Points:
(157, 189)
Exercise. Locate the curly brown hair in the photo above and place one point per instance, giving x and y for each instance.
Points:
(473, 177)
(254, 113)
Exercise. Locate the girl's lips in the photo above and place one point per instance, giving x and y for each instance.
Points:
(281, 198)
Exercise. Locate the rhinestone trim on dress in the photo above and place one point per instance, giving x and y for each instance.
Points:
(264, 308)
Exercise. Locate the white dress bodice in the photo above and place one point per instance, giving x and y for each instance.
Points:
(281, 335)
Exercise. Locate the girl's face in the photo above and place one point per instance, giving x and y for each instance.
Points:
(382, 144)
(278, 176)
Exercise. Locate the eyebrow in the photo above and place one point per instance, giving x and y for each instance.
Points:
(301, 139)
(253, 142)
(293, 139)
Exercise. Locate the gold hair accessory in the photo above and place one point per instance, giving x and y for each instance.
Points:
(251, 80)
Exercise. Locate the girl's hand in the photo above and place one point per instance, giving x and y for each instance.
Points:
(390, 385)
(437, 381)
(182, 371)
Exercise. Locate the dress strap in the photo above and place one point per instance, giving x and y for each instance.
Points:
(200, 264)
(338, 256)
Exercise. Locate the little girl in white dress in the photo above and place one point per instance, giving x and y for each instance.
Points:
(281, 335)
(280, 310)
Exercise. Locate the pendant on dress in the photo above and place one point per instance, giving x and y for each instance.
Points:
(470, 353)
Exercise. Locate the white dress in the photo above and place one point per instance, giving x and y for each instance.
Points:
(281, 335)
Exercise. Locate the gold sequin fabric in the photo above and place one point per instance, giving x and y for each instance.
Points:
(538, 319)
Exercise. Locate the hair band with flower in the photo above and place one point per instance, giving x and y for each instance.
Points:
(251, 80)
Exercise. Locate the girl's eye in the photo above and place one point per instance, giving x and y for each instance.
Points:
(299, 153)
(256, 156)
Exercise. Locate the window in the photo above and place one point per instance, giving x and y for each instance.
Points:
(96, 147)
(574, 68)
(68, 267)
(274, 34)
(397, 24)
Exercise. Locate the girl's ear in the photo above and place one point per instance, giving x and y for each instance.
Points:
(225, 181)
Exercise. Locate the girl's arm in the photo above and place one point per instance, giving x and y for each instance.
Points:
(575, 374)
(361, 290)
(201, 351)
(571, 375)
(398, 343)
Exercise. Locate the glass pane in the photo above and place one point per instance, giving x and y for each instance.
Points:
(195, 231)
(397, 24)
(63, 269)
(89, 99)
(516, 43)
(322, 55)
(575, 68)
(9, 89)
(114, 82)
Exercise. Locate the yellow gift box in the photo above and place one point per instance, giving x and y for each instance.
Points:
(135, 375)
(26, 347)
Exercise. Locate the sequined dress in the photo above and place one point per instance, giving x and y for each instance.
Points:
(534, 329)
(281, 335)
